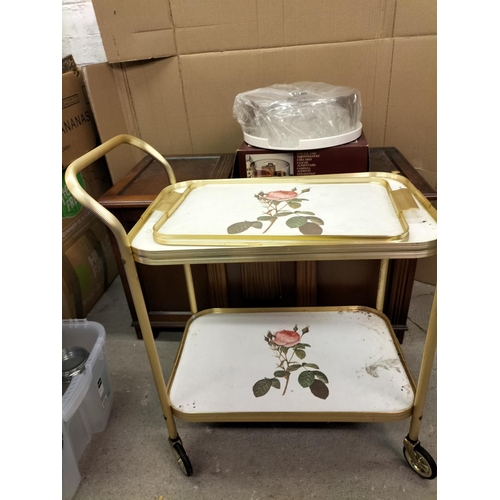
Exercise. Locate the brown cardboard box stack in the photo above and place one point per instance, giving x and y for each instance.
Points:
(175, 67)
(88, 264)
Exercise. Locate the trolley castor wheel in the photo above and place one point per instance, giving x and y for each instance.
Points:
(419, 459)
(181, 456)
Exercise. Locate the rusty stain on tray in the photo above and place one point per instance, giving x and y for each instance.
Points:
(385, 364)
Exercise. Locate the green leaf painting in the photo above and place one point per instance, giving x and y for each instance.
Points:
(239, 227)
(288, 349)
(282, 204)
(262, 387)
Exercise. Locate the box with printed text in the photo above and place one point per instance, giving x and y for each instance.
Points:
(346, 158)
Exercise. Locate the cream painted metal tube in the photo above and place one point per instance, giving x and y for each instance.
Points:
(425, 372)
(382, 283)
(190, 289)
(126, 255)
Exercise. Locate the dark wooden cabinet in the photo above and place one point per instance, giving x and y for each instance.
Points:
(280, 284)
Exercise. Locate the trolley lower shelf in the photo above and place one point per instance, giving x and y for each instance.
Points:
(308, 364)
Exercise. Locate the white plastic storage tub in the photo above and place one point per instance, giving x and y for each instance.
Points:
(86, 401)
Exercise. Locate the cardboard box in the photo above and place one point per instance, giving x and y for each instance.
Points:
(132, 32)
(88, 262)
(182, 104)
(79, 133)
(345, 158)
(88, 265)
(95, 179)
(412, 122)
(143, 99)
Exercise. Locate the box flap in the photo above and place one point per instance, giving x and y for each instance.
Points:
(135, 30)
(113, 114)
(208, 26)
(144, 99)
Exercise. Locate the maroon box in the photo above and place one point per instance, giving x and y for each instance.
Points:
(346, 158)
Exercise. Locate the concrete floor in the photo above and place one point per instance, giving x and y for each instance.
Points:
(131, 459)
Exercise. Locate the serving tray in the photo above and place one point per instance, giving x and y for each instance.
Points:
(290, 211)
(198, 236)
(333, 364)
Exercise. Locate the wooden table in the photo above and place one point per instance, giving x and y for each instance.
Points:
(271, 284)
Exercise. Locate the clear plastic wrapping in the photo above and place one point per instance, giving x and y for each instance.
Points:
(299, 115)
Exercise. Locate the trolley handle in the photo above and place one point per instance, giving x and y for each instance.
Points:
(88, 158)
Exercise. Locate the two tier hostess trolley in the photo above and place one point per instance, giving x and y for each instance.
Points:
(302, 364)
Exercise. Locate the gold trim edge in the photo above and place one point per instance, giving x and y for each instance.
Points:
(297, 417)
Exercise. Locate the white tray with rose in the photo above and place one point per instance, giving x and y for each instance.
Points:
(310, 364)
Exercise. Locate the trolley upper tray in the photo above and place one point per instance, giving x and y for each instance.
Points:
(291, 212)
(299, 218)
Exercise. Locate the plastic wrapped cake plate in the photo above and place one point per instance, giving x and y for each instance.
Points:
(299, 116)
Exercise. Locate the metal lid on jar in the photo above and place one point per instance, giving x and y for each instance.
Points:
(73, 362)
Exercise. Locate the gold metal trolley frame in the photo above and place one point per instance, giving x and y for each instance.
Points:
(208, 251)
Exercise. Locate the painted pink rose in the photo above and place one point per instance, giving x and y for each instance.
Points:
(281, 195)
(286, 338)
